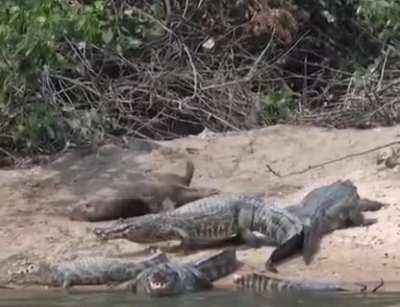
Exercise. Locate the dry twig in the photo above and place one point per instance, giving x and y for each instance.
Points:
(319, 165)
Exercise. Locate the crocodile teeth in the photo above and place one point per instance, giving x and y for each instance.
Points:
(157, 285)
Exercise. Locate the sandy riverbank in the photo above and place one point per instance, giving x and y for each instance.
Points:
(33, 225)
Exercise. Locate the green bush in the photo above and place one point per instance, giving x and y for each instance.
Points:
(42, 36)
(59, 60)
(382, 16)
(33, 36)
(277, 106)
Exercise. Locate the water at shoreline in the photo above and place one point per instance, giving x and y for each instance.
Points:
(209, 299)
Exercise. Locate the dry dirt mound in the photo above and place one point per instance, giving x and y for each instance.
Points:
(34, 200)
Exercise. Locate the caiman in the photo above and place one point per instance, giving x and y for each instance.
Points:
(217, 219)
(332, 207)
(169, 278)
(83, 271)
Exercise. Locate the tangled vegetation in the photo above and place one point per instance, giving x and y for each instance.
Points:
(77, 72)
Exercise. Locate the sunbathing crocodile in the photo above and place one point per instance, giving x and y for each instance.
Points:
(332, 207)
(83, 271)
(166, 279)
(217, 219)
(261, 283)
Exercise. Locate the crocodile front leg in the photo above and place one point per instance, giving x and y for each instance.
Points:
(244, 222)
(356, 218)
(186, 242)
(285, 251)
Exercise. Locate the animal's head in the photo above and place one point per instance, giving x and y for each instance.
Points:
(142, 230)
(82, 211)
(161, 280)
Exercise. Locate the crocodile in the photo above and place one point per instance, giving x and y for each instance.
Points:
(262, 283)
(332, 207)
(161, 192)
(217, 219)
(166, 279)
(83, 271)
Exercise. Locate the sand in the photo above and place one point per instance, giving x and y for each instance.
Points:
(33, 225)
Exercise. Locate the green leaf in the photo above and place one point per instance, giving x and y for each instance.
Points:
(134, 42)
(107, 36)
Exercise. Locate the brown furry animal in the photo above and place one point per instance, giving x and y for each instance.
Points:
(185, 180)
(152, 195)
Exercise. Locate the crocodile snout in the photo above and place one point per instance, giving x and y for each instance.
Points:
(100, 234)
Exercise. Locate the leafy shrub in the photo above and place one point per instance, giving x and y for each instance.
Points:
(382, 16)
(73, 72)
(277, 106)
(33, 36)
(42, 36)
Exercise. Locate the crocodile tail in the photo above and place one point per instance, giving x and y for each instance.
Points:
(266, 283)
(312, 237)
(218, 265)
(262, 283)
(189, 172)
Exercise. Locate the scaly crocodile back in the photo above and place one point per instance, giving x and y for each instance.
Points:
(276, 224)
(100, 270)
(209, 205)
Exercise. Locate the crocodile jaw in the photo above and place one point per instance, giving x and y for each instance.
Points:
(112, 232)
